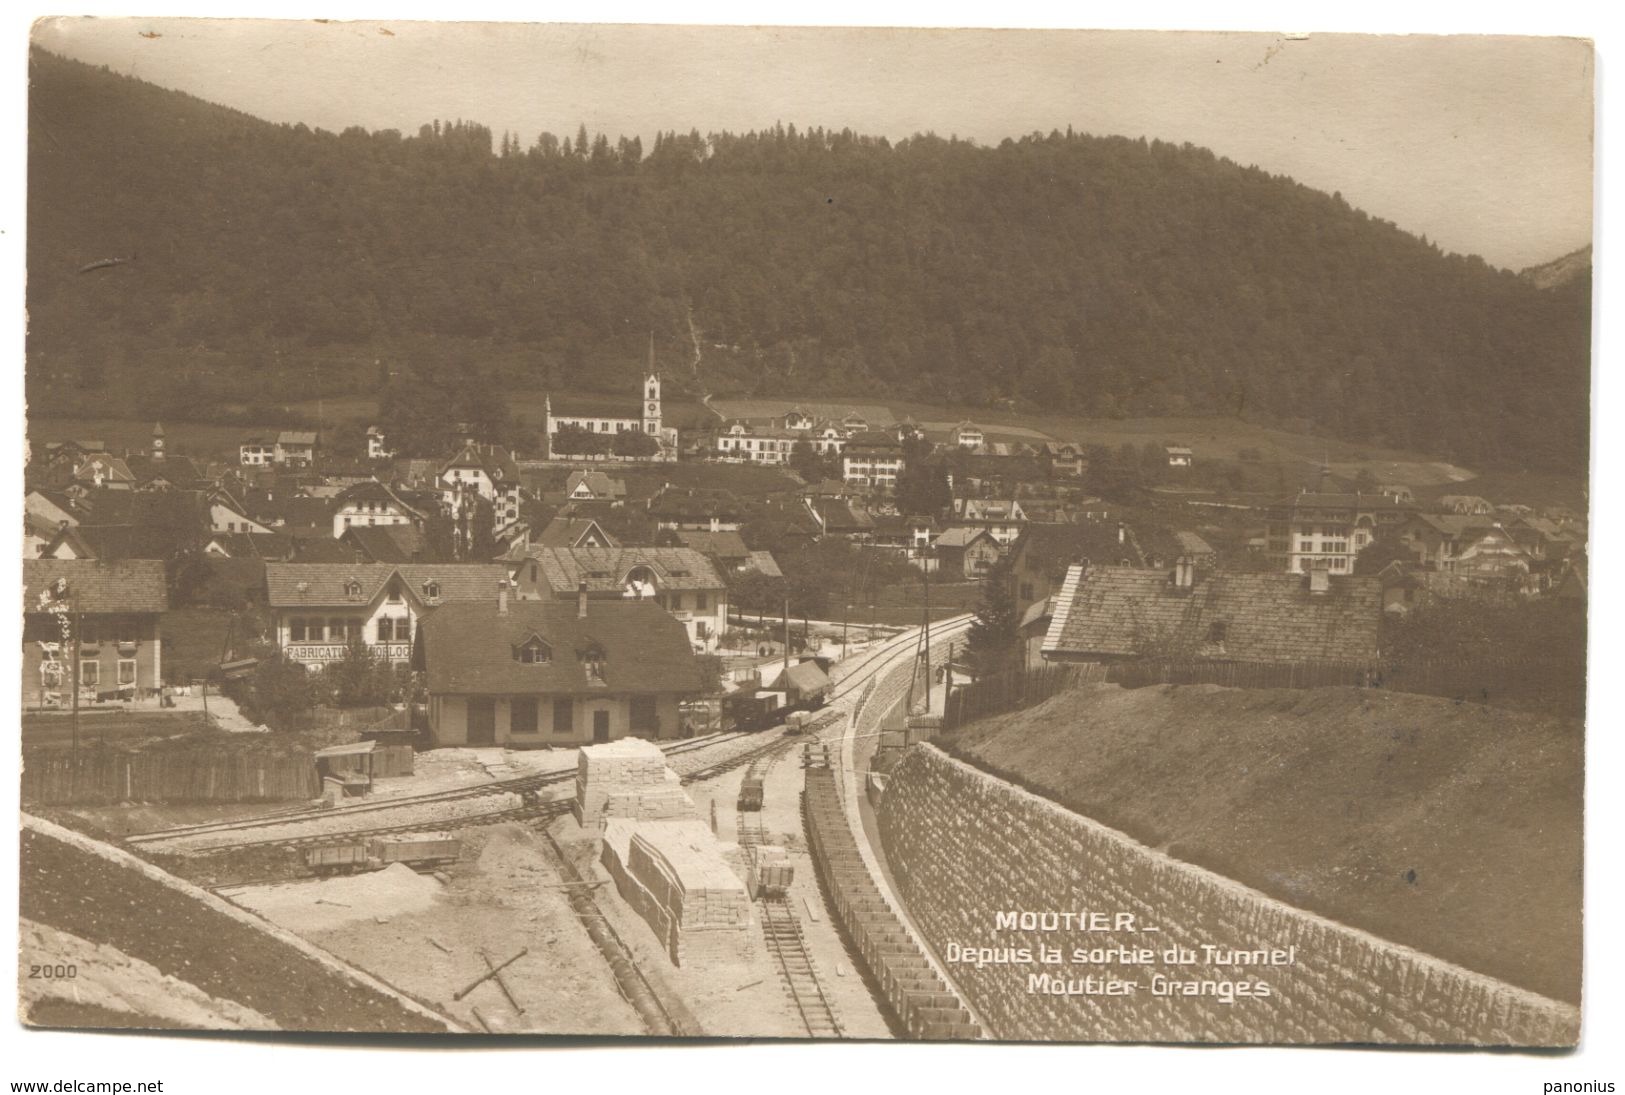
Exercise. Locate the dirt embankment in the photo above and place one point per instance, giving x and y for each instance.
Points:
(91, 898)
(1450, 827)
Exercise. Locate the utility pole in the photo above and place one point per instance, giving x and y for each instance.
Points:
(73, 652)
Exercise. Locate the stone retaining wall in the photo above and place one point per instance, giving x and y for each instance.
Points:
(963, 846)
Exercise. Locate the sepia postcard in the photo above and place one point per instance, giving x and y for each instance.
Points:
(805, 533)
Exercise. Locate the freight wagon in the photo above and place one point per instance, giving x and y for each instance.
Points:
(417, 852)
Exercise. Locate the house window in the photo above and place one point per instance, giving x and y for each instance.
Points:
(523, 716)
(126, 672)
(592, 660)
(338, 629)
(644, 716)
(1215, 631)
(90, 673)
(296, 630)
(431, 590)
(533, 651)
(352, 588)
(564, 715)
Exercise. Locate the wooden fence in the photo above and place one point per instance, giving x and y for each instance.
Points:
(1551, 685)
(1014, 690)
(56, 777)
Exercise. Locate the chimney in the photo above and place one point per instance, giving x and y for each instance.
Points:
(502, 596)
(1184, 574)
(581, 599)
(1320, 579)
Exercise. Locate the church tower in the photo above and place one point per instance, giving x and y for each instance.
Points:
(651, 395)
(157, 440)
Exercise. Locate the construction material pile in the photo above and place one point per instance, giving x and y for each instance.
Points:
(673, 875)
(627, 779)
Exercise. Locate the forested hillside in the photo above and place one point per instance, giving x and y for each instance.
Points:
(1100, 275)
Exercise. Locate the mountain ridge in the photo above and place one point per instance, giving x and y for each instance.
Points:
(1096, 275)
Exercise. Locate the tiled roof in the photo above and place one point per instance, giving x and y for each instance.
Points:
(601, 485)
(762, 562)
(296, 437)
(723, 545)
(960, 537)
(567, 532)
(606, 569)
(95, 585)
(468, 649)
(695, 504)
(292, 585)
(1126, 611)
(385, 543)
(1192, 544)
(841, 516)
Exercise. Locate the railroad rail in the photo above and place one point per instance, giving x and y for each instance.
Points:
(788, 945)
(518, 785)
(540, 810)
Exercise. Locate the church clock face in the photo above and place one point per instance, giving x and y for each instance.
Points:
(651, 409)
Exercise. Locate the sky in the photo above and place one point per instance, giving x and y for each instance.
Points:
(1483, 144)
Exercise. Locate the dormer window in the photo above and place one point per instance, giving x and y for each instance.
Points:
(431, 590)
(352, 589)
(533, 651)
(592, 661)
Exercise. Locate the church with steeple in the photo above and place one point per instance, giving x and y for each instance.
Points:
(594, 418)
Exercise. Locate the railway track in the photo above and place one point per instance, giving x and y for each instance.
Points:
(518, 785)
(861, 671)
(788, 946)
(531, 811)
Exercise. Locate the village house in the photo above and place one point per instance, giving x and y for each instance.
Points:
(371, 504)
(1039, 559)
(1468, 505)
(401, 543)
(726, 549)
(594, 486)
(488, 472)
(554, 672)
(1470, 547)
(966, 552)
(1111, 613)
(377, 447)
(1003, 518)
(872, 459)
(104, 471)
(257, 450)
(679, 580)
(968, 435)
(696, 509)
(1064, 459)
(756, 444)
(296, 448)
(567, 532)
(908, 535)
(320, 608)
(102, 616)
(1332, 528)
(1178, 456)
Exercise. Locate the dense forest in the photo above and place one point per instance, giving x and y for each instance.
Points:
(1101, 276)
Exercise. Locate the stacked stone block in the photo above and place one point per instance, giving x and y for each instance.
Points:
(673, 875)
(627, 779)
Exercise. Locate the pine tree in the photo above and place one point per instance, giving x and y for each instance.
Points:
(994, 641)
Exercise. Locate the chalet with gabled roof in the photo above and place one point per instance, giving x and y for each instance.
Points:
(679, 580)
(554, 672)
(321, 608)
